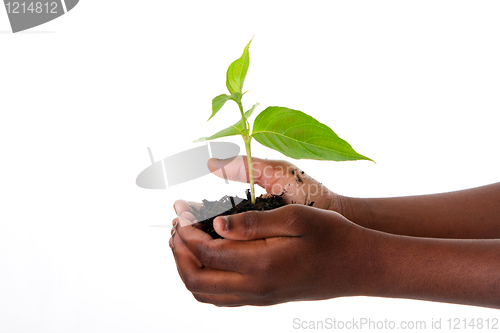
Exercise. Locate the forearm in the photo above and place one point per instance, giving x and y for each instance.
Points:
(444, 270)
(473, 213)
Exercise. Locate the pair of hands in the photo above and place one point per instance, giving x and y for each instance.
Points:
(292, 253)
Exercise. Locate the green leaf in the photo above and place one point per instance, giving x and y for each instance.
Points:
(236, 96)
(298, 135)
(231, 130)
(237, 71)
(252, 109)
(217, 103)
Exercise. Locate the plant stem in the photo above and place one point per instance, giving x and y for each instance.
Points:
(247, 139)
(243, 119)
(250, 168)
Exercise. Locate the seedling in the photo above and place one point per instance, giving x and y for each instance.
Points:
(293, 133)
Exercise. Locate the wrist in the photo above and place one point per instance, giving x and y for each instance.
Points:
(337, 203)
(368, 261)
(354, 209)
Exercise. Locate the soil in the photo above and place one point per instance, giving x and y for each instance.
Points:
(228, 205)
(232, 205)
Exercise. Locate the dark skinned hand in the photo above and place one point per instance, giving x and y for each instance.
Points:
(405, 247)
(254, 262)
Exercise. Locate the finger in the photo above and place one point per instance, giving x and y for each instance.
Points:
(186, 261)
(235, 169)
(188, 216)
(268, 174)
(183, 205)
(178, 221)
(202, 280)
(252, 225)
(185, 209)
(217, 254)
(174, 223)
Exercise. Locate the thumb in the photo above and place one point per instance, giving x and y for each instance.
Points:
(235, 169)
(252, 225)
(266, 173)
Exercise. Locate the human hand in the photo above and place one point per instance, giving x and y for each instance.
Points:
(278, 177)
(252, 265)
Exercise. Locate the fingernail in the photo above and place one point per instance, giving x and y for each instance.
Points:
(225, 220)
(213, 162)
(183, 222)
(174, 226)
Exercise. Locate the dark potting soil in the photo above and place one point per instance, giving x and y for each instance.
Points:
(231, 205)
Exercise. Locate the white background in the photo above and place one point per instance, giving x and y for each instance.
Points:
(412, 84)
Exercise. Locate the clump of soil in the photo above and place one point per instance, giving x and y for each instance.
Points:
(231, 205)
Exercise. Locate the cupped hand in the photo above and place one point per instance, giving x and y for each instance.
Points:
(276, 177)
(291, 253)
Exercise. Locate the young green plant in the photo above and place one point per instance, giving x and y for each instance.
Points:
(291, 132)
